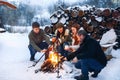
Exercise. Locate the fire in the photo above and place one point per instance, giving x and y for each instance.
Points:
(53, 62)
(54, 58)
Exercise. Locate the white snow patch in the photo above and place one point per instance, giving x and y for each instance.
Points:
(109, 37)
(15, 62)
(1, 29)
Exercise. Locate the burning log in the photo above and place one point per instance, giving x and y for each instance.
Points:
(47, 66)
(52, 63)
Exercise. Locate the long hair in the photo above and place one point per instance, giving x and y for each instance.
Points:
(62, 34)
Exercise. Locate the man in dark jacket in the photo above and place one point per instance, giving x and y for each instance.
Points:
(38, 40)
(90, 56)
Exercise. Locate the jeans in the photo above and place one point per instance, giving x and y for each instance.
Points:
(42, 45)
(61, 50)
(87, 65)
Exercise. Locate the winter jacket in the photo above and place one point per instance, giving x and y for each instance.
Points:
(64, 37)
(89, 49)
(36, 39)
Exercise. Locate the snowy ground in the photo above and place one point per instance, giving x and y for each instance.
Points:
(14, 62)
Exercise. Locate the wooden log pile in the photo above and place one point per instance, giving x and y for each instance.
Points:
(91, 20)
(94, 20)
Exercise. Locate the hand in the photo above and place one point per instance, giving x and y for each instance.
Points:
(54, 39)
(63, 58)
(72, 50)
(75, 60)
(44, 50)
(67, 48)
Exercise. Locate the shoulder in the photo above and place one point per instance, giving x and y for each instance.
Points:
(91, 40)
(31, 33)
(42, 31)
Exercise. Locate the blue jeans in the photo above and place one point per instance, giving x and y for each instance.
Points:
(88, 65)
(42, 45)
(61, 50)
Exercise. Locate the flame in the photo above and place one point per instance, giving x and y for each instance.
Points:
(54, 58)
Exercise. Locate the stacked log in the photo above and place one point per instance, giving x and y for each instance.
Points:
(94, 20)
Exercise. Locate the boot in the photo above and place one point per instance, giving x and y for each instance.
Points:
(81, 77)
(95, 74)
(32, 58)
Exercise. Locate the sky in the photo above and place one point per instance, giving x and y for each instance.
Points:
(46, 2)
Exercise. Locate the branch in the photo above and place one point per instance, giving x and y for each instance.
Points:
(8, 4)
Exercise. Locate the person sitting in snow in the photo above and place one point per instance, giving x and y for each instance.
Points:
(91, 57)
(75, 39)
(74, 31)
(38, 41)
(63, 36)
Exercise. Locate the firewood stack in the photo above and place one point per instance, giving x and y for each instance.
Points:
(94, 20)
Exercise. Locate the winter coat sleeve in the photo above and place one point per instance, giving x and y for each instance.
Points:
(46, 38)
(71, 56)
(88, 49)
(77, 54)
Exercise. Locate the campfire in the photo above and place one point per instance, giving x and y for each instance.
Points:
(53, 62)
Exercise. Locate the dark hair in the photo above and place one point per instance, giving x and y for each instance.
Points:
(35, 25)
(77, 26)
(59, 25)
(83, 32)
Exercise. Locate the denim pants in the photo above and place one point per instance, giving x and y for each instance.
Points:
(88, 65)
(61, 50)
(42, 45)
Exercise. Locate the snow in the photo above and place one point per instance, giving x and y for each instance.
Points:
(109, 37)
(1, 29)
(54, 20)
(15, 54)
(62, 20)
(15, 62)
